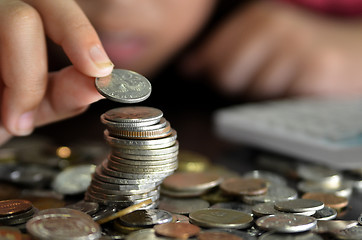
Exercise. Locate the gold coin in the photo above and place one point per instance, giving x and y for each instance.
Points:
(9, 207)
(189, 181)
(217, 236)
(119, 227)
(244, 186)
(177, 230)
(329, 199)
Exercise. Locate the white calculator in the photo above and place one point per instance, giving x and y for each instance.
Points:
(324, 131)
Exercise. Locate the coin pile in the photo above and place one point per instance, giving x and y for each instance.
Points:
(16, 211)
(144, 151)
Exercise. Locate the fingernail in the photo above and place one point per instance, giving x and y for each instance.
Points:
(101, 60)
(25, 123)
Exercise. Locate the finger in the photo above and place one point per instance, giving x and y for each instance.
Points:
(69, 93)
(23, 63)
(66, 24)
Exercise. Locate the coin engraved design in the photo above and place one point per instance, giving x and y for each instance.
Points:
(124, 86)
(286, 223)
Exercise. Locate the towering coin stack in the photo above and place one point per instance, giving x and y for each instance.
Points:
(144, 152)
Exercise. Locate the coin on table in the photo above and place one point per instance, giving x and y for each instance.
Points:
(286, 223)
(177, 230)
(244, 186)
(270, 177)
(182, 206)
(239, 206)
(264, 209)
(274, 193)
(74, 180)
(326, 213)
(294, 236)
(14, 206)
(124, 86)
(352, 233)
(63, 223)
(299, 205)
(220, 218)
(146, 218)
(330, 226)
(329, 199)
(217, 236)
(184, 181)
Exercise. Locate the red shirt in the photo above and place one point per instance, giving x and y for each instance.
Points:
(334, 7)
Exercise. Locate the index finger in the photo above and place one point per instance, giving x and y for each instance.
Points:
(67, 25)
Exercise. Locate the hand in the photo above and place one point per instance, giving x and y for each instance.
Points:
(273, 49)
(30, 96)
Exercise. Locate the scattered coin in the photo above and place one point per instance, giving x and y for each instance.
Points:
(264, 209)
(329, 199)
(63, 223)
(330, 226)
(270, 177)
(220, 218)
(217, 236)
(124, 86)
(146, 218)
(352, 233)
(343, 189)
(286, 223)
(299, 205)
(234, 206)
(244, 186)
(274, 193)
(191, 181)
(326, 213)
(177, 230)
(14, 206)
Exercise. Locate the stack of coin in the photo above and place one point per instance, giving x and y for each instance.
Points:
(144, 152)
(16, 211)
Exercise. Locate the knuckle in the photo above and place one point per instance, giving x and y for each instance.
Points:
(22, 14)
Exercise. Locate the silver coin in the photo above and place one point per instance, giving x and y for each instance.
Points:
(318, 174)
(98, 193)
(118, 203)
(220, 218)
(264, 209)
(117, 180)
(103, 212)
(145, 162)
(299, 205)
(74, 180)
(352, 233)
(161, 151)
(141, 144)
(124, 86)
(274, 193)
(161, 124)
(146, 218)
(123, 192)
(63, 223)
(286, 223)
(234, 206)
(271, 177)
(86, 207)
(126, 168)
(182, 206)
(331, 226)
(120, 153)
(294, 236)
(136, 114)
(326, 213)
(120, 187)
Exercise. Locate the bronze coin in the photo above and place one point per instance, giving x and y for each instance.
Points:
(329, 199)
(217, 236)
(179, 218)
(244, 186)
(9, 207)
(10, 233)
(177, 230)
(191, 181)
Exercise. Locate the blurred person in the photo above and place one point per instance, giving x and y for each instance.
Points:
(265, 49)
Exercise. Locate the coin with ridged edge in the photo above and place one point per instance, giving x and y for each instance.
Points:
(124, 86)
